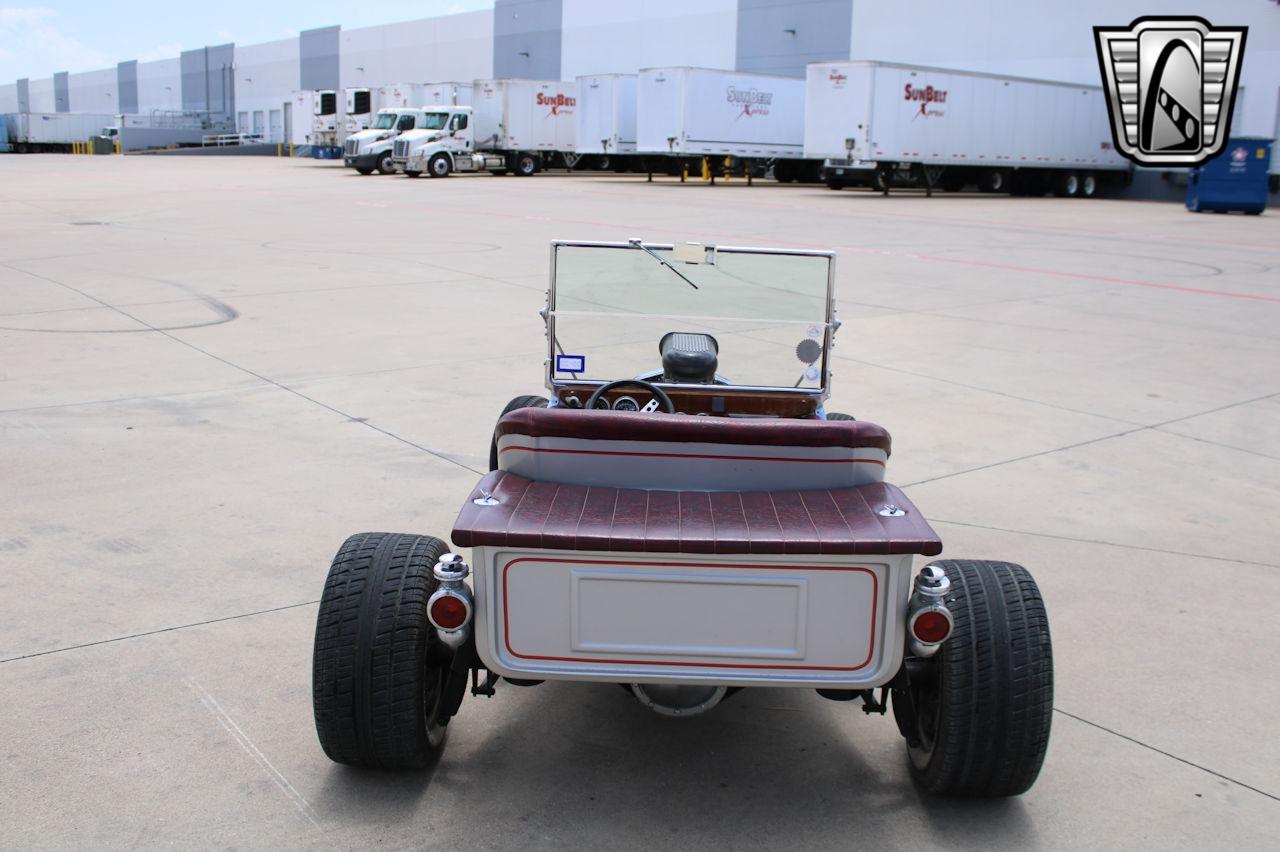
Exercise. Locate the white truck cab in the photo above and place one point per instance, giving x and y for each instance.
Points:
(446, 143)
(368, 151)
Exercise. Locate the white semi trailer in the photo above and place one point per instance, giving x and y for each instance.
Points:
(519, 126)
(755, 119)
(55, 132)
(606, 120)
(883, 124)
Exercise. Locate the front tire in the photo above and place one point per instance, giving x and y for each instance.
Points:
(532, 401)
(412, 173)
(384, 163)
(977, 719)
(378, 669)
(439, 166)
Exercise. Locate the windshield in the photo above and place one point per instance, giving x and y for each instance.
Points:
(386, 121)
(767, 311)
(433, 120)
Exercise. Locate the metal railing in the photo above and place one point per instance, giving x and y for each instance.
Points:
(220, 140)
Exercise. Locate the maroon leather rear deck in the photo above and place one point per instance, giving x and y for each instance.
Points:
(680, 428)
(578, 517)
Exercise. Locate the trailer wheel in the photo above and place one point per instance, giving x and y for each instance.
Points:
(977, 718)
(533, 401)
(379, 669)
(993, 180)
(526, 165)
(1088, 185)
(1066, 185)
(384, 163)
(439, 166)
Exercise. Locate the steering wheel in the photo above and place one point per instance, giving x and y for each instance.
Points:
(658, 393)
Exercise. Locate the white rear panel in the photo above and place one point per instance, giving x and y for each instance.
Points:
(606, 114)
(721, 113)
(647, 617)
(525, 115)
(916, 114)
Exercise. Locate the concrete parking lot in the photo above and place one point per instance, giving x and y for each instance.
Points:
(212, 371)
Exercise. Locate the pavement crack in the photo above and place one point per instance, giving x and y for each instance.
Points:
(1153, 427)
(1167, 754)
(1104, 543)
(261, 377)
(157, 631)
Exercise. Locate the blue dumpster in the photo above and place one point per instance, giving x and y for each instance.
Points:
(1235, 180)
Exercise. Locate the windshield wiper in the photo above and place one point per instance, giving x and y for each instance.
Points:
(635, 241)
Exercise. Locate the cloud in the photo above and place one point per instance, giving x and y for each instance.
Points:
(32, 45)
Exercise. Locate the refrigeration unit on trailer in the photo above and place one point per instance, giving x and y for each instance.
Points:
(326, 121)
(360, 109)
(705, 112)
(884, 124)
(606, 119)
(54, 132)
(519, 126)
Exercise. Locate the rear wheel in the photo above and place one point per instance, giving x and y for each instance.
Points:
(532, 401)
(526, 165)
(977, 716)
(1066, 185)
(378, 668)
(1088, 185)
(994, 180)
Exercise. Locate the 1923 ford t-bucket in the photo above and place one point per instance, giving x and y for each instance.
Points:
(687, 533)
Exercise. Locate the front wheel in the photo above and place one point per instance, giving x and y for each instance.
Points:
(413, 173)
(531, 401)
(439, 166)
(384, 163)
(976, 716)
(379, 669)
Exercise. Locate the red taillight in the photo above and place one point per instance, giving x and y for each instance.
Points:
(449, 612)
(931, 626)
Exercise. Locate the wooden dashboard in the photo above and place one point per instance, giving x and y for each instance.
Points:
(713, 400)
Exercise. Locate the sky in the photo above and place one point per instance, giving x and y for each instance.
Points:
(41, 38)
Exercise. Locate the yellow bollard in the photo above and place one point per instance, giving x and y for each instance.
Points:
(117, 144)
(706, 169)
(290, 149)
(684, 171)
(278, 149)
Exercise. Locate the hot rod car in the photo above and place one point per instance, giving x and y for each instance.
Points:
(683, 517)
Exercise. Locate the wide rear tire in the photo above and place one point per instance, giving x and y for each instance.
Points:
(379, 669)
(531, 401)
(977, 719)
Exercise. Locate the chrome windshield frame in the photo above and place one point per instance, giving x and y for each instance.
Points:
(830, 323)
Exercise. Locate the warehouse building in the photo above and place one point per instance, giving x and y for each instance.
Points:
(249, 88)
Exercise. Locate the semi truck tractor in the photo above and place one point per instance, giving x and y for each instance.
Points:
(364, 104)
(756, 120)
(520, 126)
(369, 150)
(884, 124)
(606, 120)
